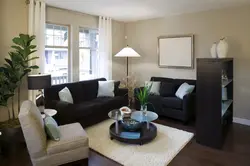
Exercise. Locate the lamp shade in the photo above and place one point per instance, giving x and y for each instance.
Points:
(127, 52)
(39, 81)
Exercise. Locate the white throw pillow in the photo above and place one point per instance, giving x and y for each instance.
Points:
(65, 95)
(155, 89)
(184, 89)
(106, 88)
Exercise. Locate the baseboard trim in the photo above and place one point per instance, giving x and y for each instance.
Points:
(241, 121)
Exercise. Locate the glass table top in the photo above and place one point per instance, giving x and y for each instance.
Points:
(115, 114)
(141, 117)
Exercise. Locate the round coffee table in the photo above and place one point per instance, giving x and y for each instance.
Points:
(146, 134)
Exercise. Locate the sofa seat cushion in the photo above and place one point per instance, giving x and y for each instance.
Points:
(82, 109)
(108, 103)
(172, 102)
(72, 137)
(96, 106)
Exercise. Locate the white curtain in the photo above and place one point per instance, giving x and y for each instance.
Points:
(37, 28)
(104, 64)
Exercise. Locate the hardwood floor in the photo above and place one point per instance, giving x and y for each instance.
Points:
(236, 151)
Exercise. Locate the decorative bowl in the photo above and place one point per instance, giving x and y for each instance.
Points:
(130, 124)
(125, 111)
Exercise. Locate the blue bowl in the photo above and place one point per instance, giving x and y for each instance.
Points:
(131, 125)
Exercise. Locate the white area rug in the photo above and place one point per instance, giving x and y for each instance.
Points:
(159, 152)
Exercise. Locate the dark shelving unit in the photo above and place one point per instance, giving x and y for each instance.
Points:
(214, 115)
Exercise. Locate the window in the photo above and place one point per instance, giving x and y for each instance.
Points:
(57, 52)
(88, 51)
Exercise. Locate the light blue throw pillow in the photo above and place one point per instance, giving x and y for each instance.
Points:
(51, 128)
(184, 89)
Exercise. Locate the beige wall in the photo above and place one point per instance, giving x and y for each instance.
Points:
(13, 20)
(76, 20)
(208, 27)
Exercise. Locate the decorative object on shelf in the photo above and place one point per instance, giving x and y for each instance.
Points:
(125, 111)
(224, 94)
(213, 50)
(130, 124)
(222, 48)
(176, 51)
(224, 75)
(39, 82)
(142, 95)
(12, 73)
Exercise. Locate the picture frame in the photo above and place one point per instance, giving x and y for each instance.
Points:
(176, 51)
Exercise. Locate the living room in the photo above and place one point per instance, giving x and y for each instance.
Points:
(142, 27)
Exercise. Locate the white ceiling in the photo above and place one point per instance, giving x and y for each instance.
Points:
(132, 10)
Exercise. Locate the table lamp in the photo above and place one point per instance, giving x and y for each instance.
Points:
(39, 82)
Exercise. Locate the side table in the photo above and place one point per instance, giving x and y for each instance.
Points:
(50, 112)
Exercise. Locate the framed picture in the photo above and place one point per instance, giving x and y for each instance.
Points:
(176, 51)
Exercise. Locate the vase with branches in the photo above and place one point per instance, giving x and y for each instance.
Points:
(16, 67)
(129, 83)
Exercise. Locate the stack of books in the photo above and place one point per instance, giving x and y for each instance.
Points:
(130, 135)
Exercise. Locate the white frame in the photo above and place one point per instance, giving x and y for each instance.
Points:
(176, 51)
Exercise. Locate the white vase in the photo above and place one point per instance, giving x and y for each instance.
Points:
(213, 50)
(222, 48)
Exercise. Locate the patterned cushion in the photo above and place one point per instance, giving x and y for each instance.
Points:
(72, 137)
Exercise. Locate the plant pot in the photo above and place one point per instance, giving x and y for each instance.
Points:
(12, 138)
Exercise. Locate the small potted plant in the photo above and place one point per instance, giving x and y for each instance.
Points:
(142, 95)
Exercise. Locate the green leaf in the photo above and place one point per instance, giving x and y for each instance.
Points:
(9, 62)
(31, 52)
(34, 67)
(32, 47)
(32, 59)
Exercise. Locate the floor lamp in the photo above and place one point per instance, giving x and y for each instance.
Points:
(127, 52)
(39, 82)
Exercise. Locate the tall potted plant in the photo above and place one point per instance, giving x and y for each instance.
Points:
(143, 95)
(16, 67)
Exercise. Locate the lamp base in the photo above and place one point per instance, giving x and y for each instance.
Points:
(40, 101)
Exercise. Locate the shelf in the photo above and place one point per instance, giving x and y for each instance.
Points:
(225, 82)
(224, 106)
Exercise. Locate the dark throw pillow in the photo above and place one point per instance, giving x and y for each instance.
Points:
(167, 89)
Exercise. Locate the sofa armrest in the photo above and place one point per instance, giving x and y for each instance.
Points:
(122, 92)
(189, 105)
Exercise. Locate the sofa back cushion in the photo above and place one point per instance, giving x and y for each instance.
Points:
(161, 79)
(167, 89)
(80, 91)
(177, 83)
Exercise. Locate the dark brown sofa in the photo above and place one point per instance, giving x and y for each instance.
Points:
(87, 108)
(167, 104)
